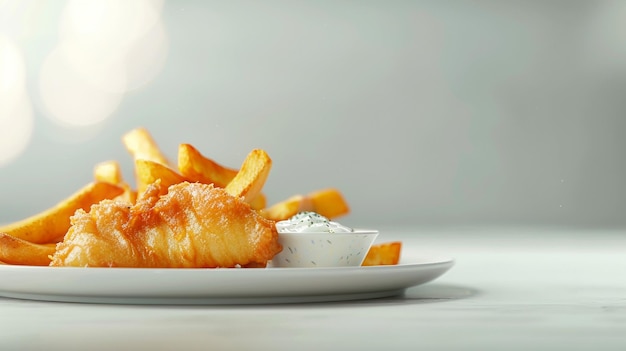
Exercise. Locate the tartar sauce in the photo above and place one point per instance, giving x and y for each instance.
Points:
(311, 222)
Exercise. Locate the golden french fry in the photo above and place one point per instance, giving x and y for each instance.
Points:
(22, 252)
(149, 171)
(53, 223)
(383, 254)
(287, 208)
(198, 168)
(110, 171)
(250, 179)
(329, 203)
(141, 145)
(259, 202)
(129, 195)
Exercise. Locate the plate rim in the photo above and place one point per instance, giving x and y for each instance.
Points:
(392, 280)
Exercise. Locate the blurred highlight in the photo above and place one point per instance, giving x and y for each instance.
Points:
(16, 113)
(106, 48)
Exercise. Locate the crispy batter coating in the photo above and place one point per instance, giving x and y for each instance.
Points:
(187, 225)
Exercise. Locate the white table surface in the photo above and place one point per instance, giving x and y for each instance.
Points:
(510, 289)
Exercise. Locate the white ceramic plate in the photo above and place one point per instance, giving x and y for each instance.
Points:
(217, 286)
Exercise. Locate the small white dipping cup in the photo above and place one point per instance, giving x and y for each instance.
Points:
(324, 249)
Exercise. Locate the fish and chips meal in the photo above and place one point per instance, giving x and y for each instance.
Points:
(196, 213)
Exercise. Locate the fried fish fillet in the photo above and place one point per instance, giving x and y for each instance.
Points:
(192, 225)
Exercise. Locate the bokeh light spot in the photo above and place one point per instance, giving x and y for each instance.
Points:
(69, 98)
(16, 113)
(106, 48)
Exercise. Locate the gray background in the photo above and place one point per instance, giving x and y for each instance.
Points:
(420, 112)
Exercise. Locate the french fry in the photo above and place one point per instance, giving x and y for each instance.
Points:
(251, 176)
(259, 202)
(329, 203)
(53, 223)
(198, 168)
(383, 254)
(140, 145)
(287, 208)
(22, 252)
(111, 172)
(108, 171)
(149, 171)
